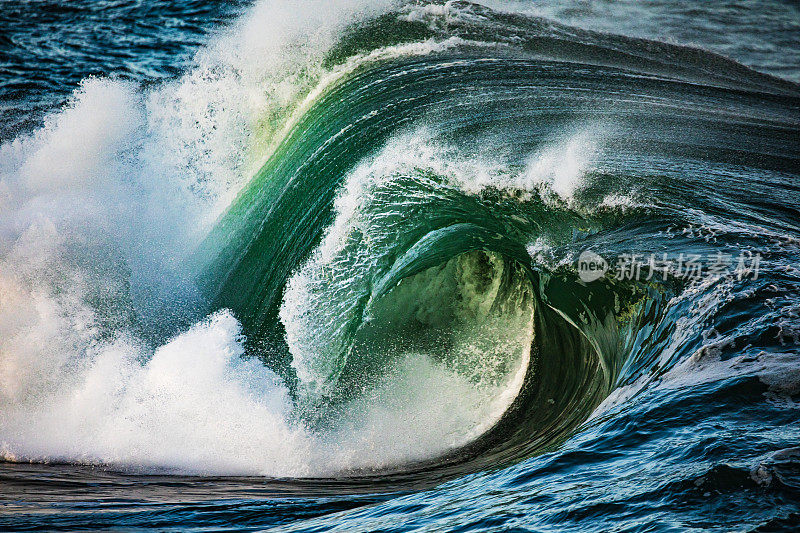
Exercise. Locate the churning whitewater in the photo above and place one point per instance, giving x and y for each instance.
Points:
(351, 242)
(101, 215)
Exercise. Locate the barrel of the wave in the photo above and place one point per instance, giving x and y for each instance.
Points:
(319, 254)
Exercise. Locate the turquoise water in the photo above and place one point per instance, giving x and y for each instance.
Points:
(331, 273)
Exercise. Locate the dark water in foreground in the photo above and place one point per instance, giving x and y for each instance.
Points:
(383, 267)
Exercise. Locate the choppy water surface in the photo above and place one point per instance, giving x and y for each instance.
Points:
(387, 266)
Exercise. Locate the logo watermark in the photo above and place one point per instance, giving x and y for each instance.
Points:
(591, 266)
(645, 267)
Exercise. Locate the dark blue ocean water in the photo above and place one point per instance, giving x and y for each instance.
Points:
(48, 47)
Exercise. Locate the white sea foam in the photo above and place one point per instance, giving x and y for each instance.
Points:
(102, 204)
(98, 209)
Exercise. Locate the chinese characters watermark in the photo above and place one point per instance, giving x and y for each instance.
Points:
(646, 267)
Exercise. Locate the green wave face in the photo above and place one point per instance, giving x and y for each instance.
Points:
(429, 205)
